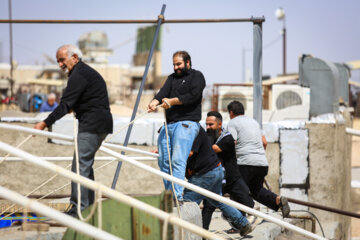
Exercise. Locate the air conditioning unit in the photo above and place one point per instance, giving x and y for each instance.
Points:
(242, 94)
(284, 95)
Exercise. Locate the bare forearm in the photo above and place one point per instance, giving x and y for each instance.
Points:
(216, 148)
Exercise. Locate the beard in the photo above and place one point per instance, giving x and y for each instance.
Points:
(213, 134)
(65, 69)
(181, 72)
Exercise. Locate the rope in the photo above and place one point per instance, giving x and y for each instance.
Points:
(99, 200)
(127, 125)
(37, 188)
(171, 172)
(230, 202)
(51, 178)
(92, 211)
(18, 146)
(165, 227)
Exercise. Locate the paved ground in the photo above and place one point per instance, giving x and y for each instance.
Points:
(263, 230)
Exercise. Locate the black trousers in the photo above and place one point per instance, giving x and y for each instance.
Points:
(254, 178)
(238, 191)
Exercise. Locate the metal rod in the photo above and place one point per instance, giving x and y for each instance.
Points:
(305, 217)
(257, 73)
(352, 131)
(111, 193)
(284, 50)
(209, 194)
(137, 158)
(43, 21)
(44, 210)
(325, 208)
(11, 44)
(160, 19)
(70, 138)
(115, 195)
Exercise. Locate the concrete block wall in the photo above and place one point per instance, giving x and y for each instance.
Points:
(329, 177)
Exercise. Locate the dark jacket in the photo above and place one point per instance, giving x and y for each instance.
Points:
(86, 95)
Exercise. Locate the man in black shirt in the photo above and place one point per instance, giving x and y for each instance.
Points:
(204, 170)
(224, 145)
(181, 97)
(86, 95)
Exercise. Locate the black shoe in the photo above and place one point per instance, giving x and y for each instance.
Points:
(72, 212)
(285, 208)
(233, 225)
(246, 230)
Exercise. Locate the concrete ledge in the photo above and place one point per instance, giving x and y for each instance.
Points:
(190, 212)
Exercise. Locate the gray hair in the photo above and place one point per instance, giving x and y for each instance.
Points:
(71, 50)
(51, 96)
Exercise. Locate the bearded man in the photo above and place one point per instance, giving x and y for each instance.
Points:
(181, 97)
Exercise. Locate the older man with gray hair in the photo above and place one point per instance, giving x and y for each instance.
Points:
(87, 96)
(50, 104)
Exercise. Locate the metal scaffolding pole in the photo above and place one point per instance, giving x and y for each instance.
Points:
(257, 72)
(160, 19)
(44, 21)
(11, 45)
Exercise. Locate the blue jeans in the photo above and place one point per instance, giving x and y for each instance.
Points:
(212, 181)
(88, 144)
(181, 137)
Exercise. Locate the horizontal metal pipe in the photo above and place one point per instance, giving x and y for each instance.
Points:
(325, 208)
(44, 210)
(54, 196)
(177, 181)
(69, 138)
(46, 21)
(134, 150)
(111, 193)
(353, 131)
(311, 218)
(57, 196)
(71, 158)
(211, 194)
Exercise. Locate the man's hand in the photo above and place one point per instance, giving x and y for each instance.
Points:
(216, 148)
(152, 105)
(166, 103)
(264, 142)
(40, 125)
(169, 102)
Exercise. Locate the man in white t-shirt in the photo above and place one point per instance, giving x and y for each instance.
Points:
(251, 159)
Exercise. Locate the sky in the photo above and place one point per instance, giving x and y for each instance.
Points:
(327, 29)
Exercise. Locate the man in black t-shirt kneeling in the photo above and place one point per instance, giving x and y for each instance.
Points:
(224, 145)
(204, 170)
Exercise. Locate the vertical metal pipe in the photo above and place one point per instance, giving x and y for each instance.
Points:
(244, 65)
(284, 49)
(160, 20)
(257, 72)
(11, 43)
